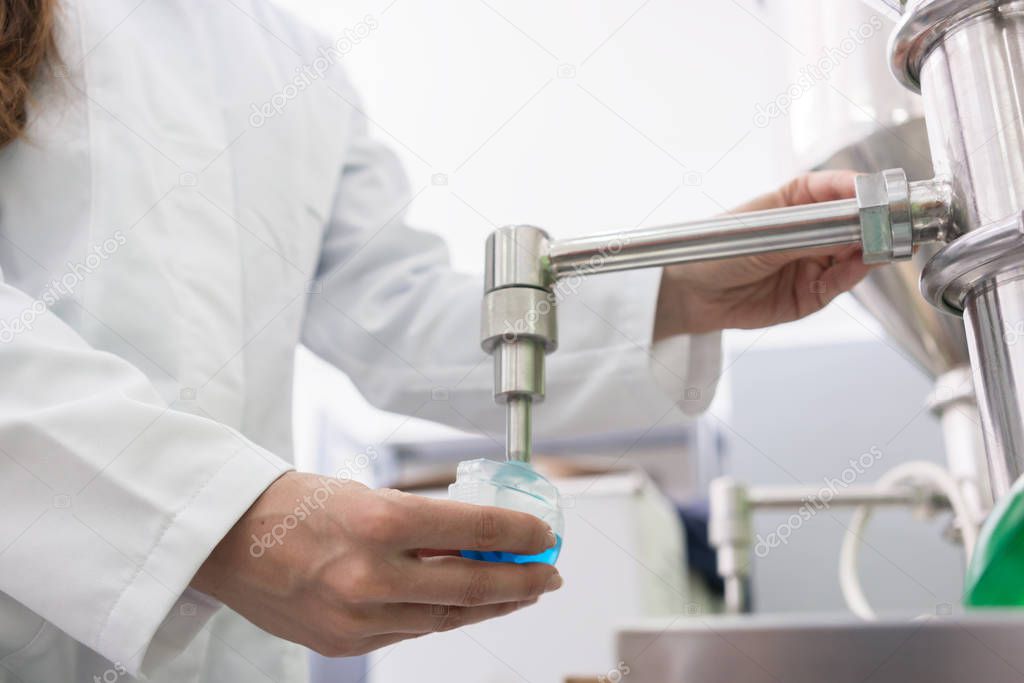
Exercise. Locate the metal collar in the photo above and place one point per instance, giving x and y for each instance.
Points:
(925, 24)
(970, 261)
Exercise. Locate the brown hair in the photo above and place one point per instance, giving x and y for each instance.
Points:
(27, 45)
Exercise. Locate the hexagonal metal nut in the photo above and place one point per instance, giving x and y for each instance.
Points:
(883, 200)
(875, 228)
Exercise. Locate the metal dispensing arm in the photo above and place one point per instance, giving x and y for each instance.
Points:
(888, 218)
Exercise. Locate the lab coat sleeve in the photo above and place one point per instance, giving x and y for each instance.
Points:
(390, 311)
(112, 498)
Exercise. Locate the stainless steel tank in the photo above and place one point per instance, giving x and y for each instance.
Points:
(933, 340)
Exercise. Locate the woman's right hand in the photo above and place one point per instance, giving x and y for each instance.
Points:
(344, 569)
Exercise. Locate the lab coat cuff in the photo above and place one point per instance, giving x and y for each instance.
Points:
(155, 619)
(685, 367)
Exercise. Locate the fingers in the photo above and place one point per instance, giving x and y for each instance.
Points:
(390, 624)
(848, 270)
(820, 186)
(780, 258)
(415, 619)
(449, 525)
(810, 188)
(463, 619)
(468, 583)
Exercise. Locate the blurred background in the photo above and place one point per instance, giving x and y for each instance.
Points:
(588, 116)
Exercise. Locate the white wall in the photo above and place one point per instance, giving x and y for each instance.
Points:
(578, 115)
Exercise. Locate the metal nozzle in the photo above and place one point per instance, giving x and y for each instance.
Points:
(518, 429)
(518, 327)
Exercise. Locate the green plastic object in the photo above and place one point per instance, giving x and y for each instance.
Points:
(995, 575)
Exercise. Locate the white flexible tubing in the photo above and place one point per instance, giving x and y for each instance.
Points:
(916, 470)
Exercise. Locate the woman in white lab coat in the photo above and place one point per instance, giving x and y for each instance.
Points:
(181, 205)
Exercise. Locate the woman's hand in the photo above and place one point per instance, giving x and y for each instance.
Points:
(763, 290)
(343, 569)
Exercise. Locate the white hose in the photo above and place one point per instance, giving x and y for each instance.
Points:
(917, 471)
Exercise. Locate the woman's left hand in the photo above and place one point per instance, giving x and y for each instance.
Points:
(767, 289)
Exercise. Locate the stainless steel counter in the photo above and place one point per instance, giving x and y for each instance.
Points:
(982, 648)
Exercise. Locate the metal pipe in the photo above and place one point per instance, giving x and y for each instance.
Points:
(993, 314)
(731, 508)
(826, 224)
(801, 227)
(776, 497)
(735, 596)
(953, 402)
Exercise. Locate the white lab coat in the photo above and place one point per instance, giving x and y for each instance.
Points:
(164, 250)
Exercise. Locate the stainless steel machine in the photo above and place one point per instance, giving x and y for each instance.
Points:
(525, 266)
(929, 337)
(965, 59)
(955, 306)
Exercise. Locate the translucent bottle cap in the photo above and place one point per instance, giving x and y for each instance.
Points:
(514, 475)
(512, 485)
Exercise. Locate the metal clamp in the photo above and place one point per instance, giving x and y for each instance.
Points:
(971, 260)
(922, 26)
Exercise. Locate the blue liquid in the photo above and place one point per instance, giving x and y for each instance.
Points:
(549, 556)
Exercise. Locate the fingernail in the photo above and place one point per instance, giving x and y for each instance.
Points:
(551, 538)
(554, 583)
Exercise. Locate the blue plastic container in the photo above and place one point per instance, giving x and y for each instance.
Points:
(515, 486)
